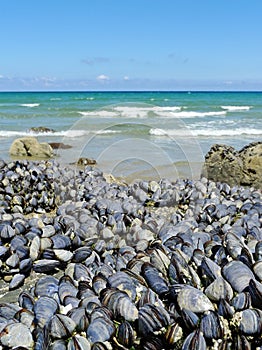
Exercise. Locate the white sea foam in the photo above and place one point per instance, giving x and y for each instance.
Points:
(132, 112)
(192, 114)
(102, 113)
(31, 105)
(171, 132)
(75, 133)
(158, 132)
(236, 108)
(67, 133)
(108, 131)
(206, 132)
(142, 112)
(227, 132)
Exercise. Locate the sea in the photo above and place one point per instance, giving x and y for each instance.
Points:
(134, 135)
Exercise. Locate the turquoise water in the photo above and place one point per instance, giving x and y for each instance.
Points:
(140, 133)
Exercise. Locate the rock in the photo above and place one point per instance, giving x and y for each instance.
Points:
(59, 145)
(251, 156)
(225, 164)
(30, 147)
(86, 161)
(41, 129)
(222, 164)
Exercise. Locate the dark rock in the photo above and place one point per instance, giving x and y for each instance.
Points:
(37, 129)
(86, 161)
(225, 164)
(59, 145)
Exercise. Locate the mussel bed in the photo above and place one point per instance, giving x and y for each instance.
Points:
(149, 265)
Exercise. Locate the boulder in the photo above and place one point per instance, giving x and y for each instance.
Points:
(225, 164)
(30, 147)
(251, 156)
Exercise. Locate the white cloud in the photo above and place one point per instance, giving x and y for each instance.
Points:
(1, 76)
(126, 77)
(103, 77)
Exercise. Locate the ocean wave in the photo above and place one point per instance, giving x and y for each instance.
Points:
(144, 112)
(236, 108)
(192, 114)
(108, 131)
(67, 133)
(170, 132)
(30, 105)
(103, 114)
(227, 132)
(129, 112)
(128, 109)
(206, 132)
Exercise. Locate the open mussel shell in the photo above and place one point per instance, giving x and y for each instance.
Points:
(26, 317)
(26, 301)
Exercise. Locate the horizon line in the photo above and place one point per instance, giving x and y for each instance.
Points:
(126, 91)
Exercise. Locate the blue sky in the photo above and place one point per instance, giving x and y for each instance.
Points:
(130, 45)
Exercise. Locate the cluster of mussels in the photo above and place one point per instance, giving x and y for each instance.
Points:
(152, 265)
